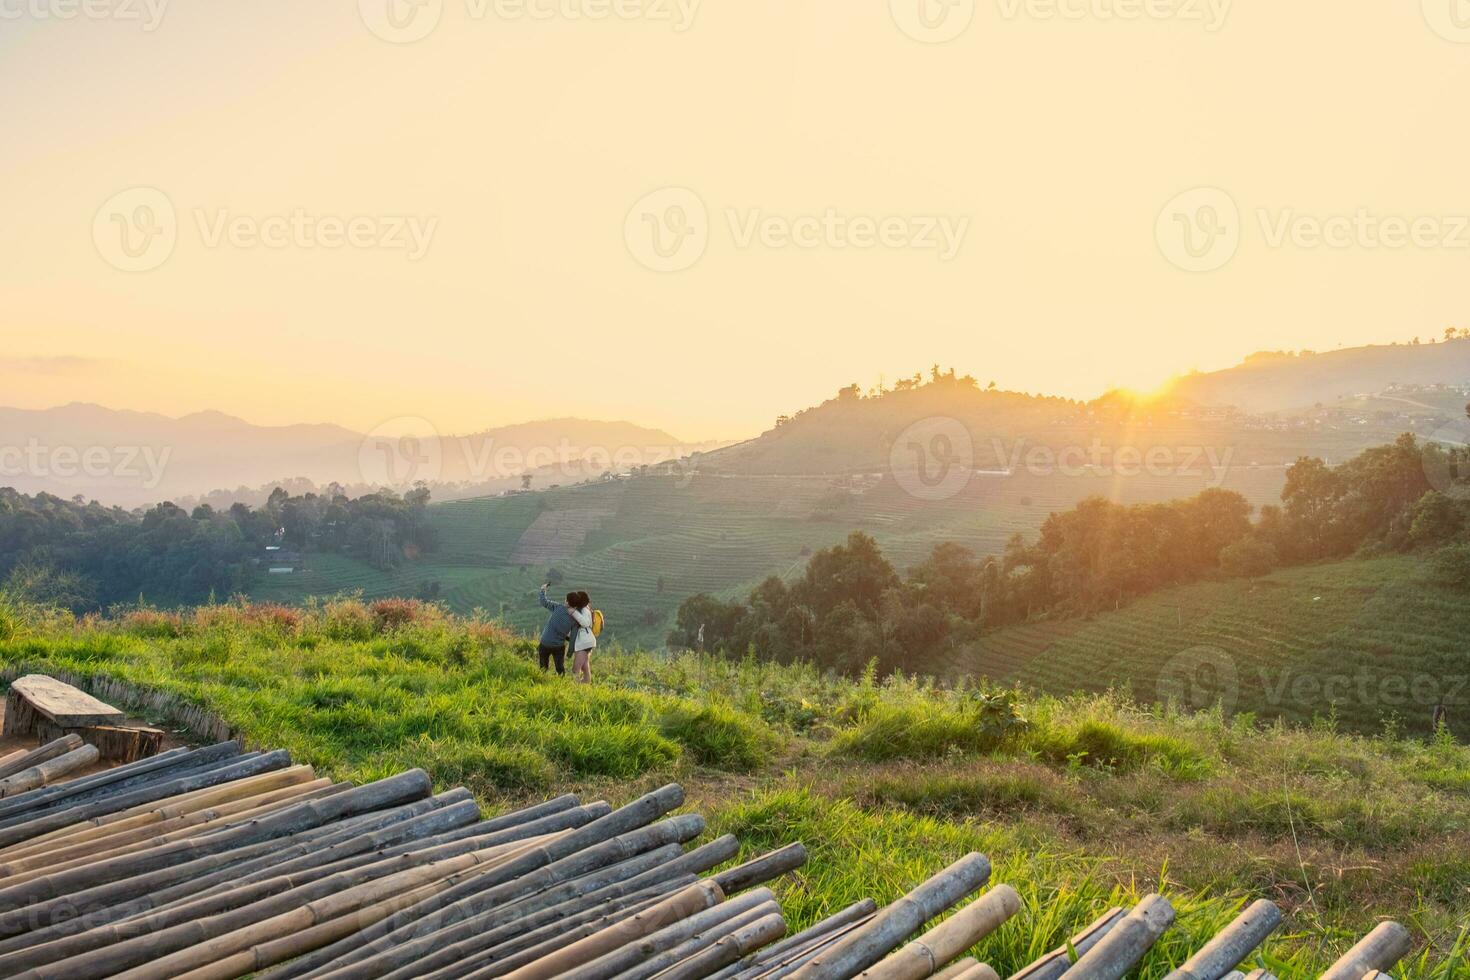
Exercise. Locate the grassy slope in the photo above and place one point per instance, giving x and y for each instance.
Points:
(1374, 641)
(1089, 804)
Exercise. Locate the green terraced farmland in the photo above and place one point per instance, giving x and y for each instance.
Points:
(642, 546)
(1373, 642)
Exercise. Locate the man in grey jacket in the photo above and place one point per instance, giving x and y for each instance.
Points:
(559, 629)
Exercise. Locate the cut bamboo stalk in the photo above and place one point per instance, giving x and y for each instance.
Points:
(728, 948)
(249, 902)
(929, 953)
(702, 937)
(464, 903)
(409, 923)
(799, 958)
(1059, 961)
(765, 868)
(695, 898)
(501, 923)
(976, 971)
(1126, 943)
(68, 898)
(1260, 975)
(890, 927)
(674, 933)
(1381, 950)
(144, 794)
(534, 946)
(159, 831)
(48, 772)
(513, 934)
(770, 954)
(1377, 975)
(20, 761)
(101, 785)
(1234, 943)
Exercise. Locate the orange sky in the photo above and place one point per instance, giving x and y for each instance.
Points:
(700, 215)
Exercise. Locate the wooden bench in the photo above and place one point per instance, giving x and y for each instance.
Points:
(50, 709)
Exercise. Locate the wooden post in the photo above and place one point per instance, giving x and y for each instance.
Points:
(1126, 943)
(1381, 949)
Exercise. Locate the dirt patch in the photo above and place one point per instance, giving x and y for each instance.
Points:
(24, 743)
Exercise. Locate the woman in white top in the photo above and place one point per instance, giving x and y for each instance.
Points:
(583, 641)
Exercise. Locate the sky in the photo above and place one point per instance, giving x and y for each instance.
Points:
(701, 215)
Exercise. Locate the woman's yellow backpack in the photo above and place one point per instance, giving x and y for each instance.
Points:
(597, 622)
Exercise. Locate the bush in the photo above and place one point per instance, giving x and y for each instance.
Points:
(1451, 567)
(347, 620)
(931, 730)
(1105, 745)
(155, 625)
(391, 614)
(718, 736)
(1248, 558)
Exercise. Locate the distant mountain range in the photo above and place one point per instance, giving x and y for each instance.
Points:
(136, 458)
(1282, 382)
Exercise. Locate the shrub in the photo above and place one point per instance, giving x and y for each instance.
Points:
(981, 723)
(962, 794)
(274, 617)
(154, 624)
(1105, 745)
(347, 620)
(1451, 567)
(1248, 558)
(392, 614)
(717, 735)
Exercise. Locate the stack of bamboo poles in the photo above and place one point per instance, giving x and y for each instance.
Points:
(215, 862)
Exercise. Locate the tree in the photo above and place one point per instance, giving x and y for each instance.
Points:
(1249, 557)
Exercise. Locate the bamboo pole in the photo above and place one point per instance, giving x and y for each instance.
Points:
(523, 932)
(1381, 950)
(976, 971)
(1234, 943)
(1126, 943)
(392, 946)
(611, 884)
(762, 869)
(674, 933)
(69, 897)
(178, 828)
(24, 759)
(147, 793)
(194, 942)
(797, 959)
(695, 898)
(728, 948)
(1262, 975)
(1054, 964)
(534, 946)
(48, 771)
(425, 917)
(773, 953)
(929, 953)
(98, 786)
(867, 945)
(702, 937)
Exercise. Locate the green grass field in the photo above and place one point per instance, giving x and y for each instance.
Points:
(1373, 642)
(1082, 802)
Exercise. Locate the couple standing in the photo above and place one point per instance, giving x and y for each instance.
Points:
(569, 624)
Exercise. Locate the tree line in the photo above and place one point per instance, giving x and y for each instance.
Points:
(84, 556)
(851, 606)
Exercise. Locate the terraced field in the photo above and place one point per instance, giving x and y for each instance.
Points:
(642, 546)
(1372, 642)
